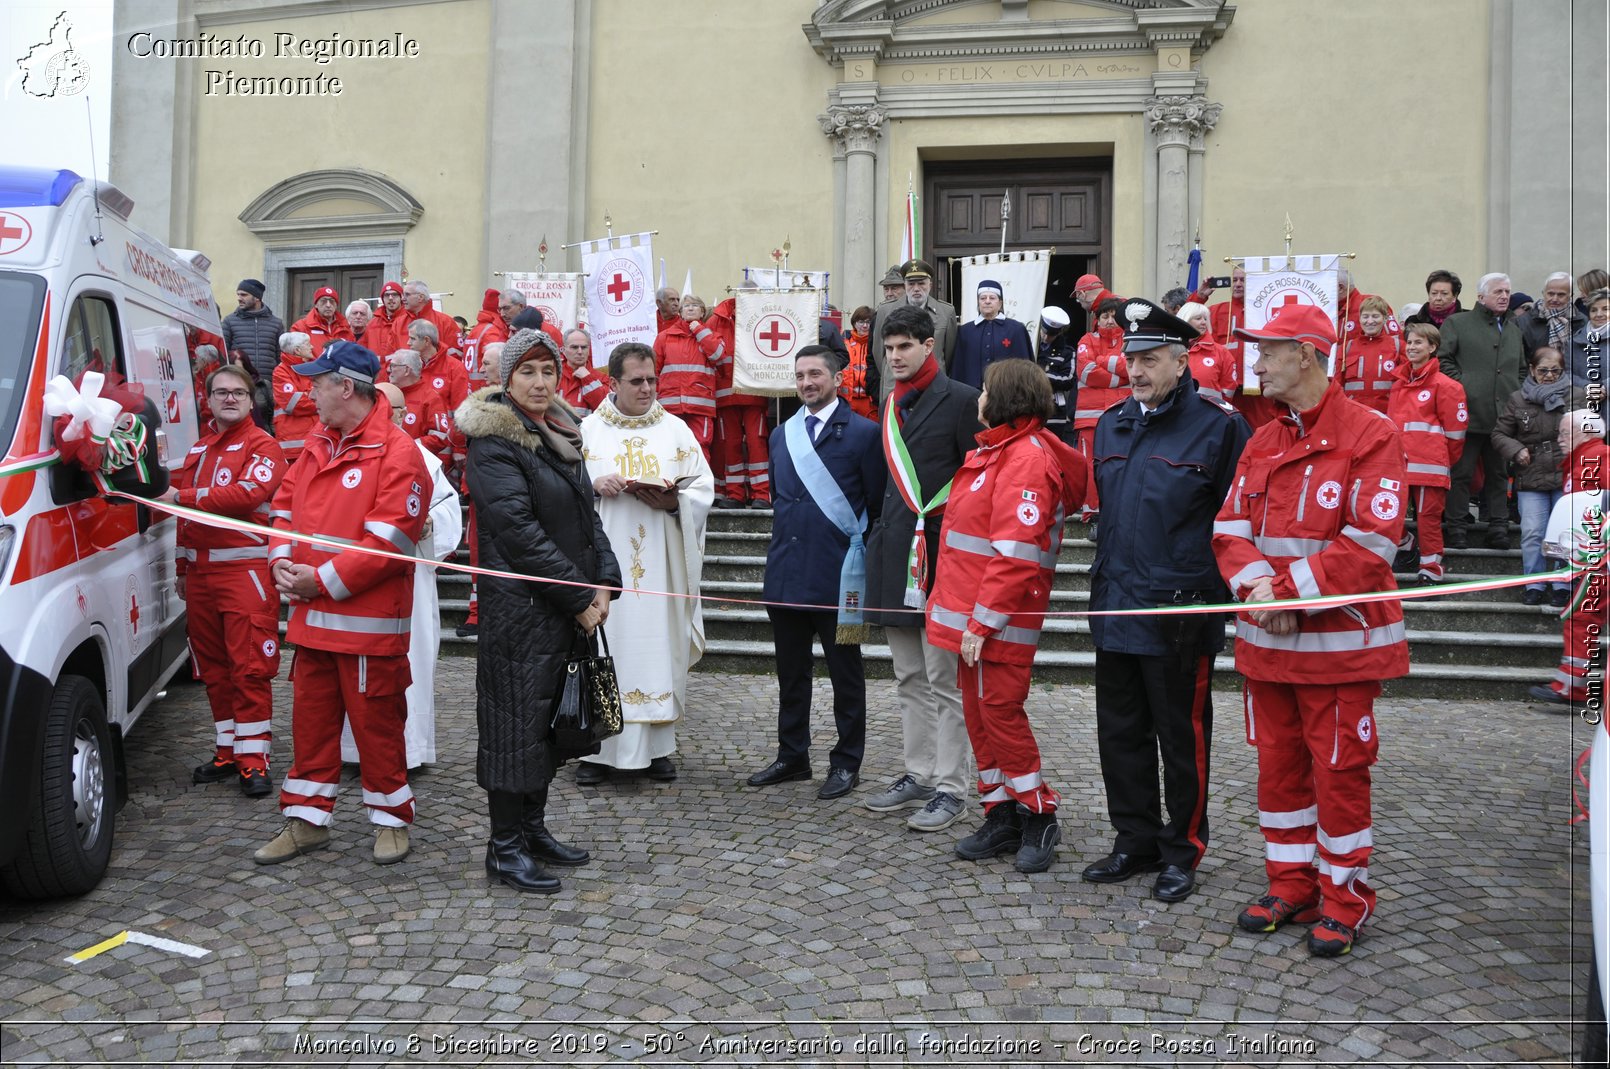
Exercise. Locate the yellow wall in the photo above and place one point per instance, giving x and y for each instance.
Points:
(709, 135)
(1395, 171)
(244, 145)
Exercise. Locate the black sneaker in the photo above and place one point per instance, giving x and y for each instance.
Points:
(467, 630)
(214, 771)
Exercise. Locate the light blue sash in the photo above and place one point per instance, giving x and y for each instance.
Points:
(819, 483)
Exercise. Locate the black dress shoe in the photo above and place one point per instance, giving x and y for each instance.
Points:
(1174, 884)
(467, 630)
(1559, 597)
(213, 771)
(839, 782)
(662, 769)
(591, 773)
(779, 772)
(254, 782)
(1533, 596)
(1116, 867)
(728, 503)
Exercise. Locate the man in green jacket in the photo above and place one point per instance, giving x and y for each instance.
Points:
(1482, 348)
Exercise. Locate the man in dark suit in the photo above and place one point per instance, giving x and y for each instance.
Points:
(935, 420)
(827, 475)
(919, 278)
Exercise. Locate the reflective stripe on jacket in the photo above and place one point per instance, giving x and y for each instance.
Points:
(1429, 410)
(999, 543)
(372, 488)
(1319, 509)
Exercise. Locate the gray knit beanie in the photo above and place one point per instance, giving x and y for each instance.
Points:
(517, 350)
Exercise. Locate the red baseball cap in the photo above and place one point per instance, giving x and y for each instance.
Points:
(391, 287)
(1296, 322)
(326, 291)
(1088, 282)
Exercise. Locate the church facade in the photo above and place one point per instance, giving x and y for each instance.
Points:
(311, 143)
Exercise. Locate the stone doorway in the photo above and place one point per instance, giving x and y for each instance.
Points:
(1065, 204)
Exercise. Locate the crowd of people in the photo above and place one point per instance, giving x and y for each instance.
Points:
(923, 485)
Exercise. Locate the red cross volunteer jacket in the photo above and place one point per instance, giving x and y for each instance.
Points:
(295, 415)
(687, 353)
(999, 543)
(1371, 367)
(371, 488)
(1318, 506)
(231, 473)
(1103, 375)
(1429, 410)
(321, 331)
(427, 418)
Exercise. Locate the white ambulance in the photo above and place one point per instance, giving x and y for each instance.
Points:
(91, 627)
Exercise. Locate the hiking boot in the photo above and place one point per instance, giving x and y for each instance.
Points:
(254, 782)
(903, 793)
(215, 771)
(1002, 831)
(942, 810)
(1271, 912)
(1040, 838)
(391, 845)
(296, 838)
(1330, 938)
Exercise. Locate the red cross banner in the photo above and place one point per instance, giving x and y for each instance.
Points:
(620, 290)
(1273, 281)
(555, 295)
(771, 328)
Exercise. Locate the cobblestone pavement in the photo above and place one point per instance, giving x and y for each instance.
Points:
(716, 919)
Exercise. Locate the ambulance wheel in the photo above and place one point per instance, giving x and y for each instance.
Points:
(68, 842)
(1593, 1020)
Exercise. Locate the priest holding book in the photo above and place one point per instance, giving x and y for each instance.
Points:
(654, 493)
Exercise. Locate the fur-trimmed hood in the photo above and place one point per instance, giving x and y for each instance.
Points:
(487, 413)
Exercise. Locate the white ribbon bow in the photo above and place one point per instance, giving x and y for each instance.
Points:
(85, 404)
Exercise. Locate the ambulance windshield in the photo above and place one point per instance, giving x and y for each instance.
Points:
(22, 297)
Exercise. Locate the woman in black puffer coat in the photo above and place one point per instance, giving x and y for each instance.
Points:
(534, 511)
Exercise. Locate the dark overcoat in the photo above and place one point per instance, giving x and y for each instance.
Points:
(534, 516)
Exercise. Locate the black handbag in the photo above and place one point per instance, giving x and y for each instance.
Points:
(587, 709)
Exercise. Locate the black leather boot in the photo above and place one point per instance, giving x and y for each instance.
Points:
(506, 858)
(1001, 832)
(539, 841)
(1040, 838)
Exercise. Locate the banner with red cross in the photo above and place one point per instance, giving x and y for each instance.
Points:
(620, 290)
(1273, 281)
(771, 327)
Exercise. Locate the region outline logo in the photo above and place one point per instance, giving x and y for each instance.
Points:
(53, 67)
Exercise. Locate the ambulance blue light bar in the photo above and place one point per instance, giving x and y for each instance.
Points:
(35, 187)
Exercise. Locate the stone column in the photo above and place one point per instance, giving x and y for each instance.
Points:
(1175, 122)
(855, 130)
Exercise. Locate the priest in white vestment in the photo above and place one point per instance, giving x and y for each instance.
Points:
(443, 530)
(654, 493)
